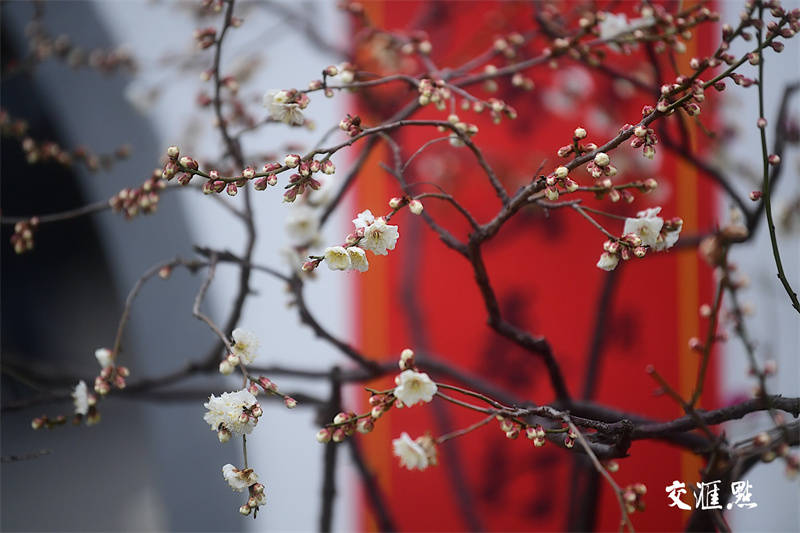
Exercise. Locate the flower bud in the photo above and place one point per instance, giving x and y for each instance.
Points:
(324, 435)
(579, 133)
(774, 159)
(225, 368)
(601, 159)
(290, 402)
(365, 425)
(232, 189)
(395, 202)
(173, 152)
(561, 172)
(292, 160)
(224, 435)
(338, 435)
(415, 206)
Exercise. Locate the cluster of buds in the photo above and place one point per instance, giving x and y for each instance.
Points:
(143, 200)
(633, 496)
(44, 46)
(257, 385)
(560, 176)
(601, 166)
(569, 439)
(644, 137)
(508, 45)
(22, 238)
(257, 498)
(205, 37)
(346, 424)
(346, 72)
(398, 202)
(536, 434)
(463, 130)
(435, 92)
(508, 426)
(182, 167)
(303, 180)
(45, 152)
(351, 124)
(45, 422)
(110, 376)
(418, 42)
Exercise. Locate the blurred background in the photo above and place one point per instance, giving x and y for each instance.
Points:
(152, 463)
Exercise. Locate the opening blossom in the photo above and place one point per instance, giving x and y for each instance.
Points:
(286, 106)
(414, 387)
(647, 225)
(245, 345)
(80, 397)
(234, 412)
(379, 237)
(414, 454)
(239, 479)
(104, 357)
(608, 261)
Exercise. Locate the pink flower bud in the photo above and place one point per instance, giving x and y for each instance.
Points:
(755, 195)
(290, 195)
(260, 184)
(232, 189)
(338, 435)
(249, 173)
(324, 435)
(774, 159)
(290, 402)
(415, 206)
(173, 152)
(328, 167)
(365, 425)
(395, 202)
(292, 160)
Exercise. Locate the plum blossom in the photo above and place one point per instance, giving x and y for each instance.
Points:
(380, 237)
(104, 357)
(414, 387)
(358, 259)
(667, 239)
(302, 224)
(285, 108)
(647, 225)
(337, 258)
(227, 412)
(608, 261)
(80, 397)
(245, 345)
(363, 219)
(615, 25)
(239, 479)
(414, 454)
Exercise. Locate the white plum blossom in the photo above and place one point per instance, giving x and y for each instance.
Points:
(80, 397)
(245, 345)
(337, 258)
(647, 225)
(615, 25)
(358, 259)
(667, 239)
(239, 479)
(414, 387)
(379, 237)
(608, 261)
(281, 109)
(363, 219)
(104, 357)
(414, 454)
(302, 224)
(225, 412)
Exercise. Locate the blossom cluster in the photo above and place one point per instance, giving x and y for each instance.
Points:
(646, 231)
(143, 199)
(241, 479)
(371, 233)
(287, 106)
